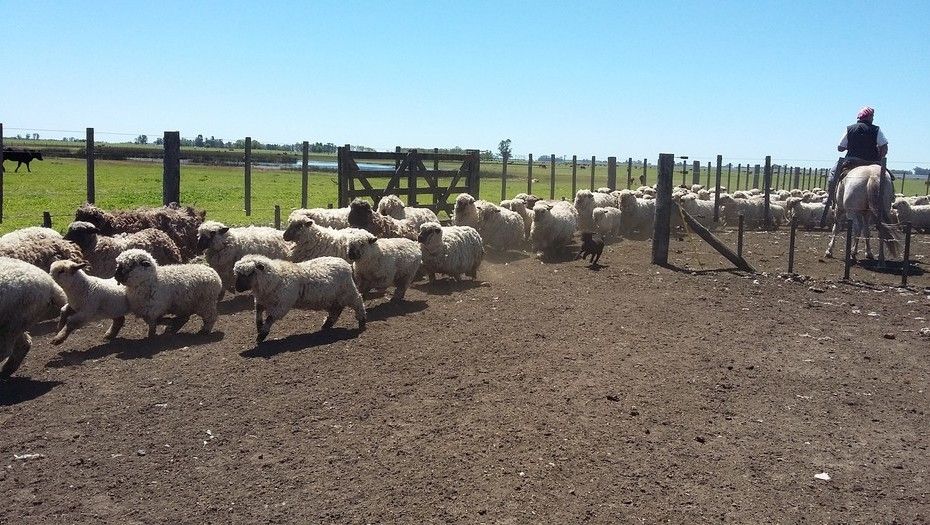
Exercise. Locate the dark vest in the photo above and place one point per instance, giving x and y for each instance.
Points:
(861, 140)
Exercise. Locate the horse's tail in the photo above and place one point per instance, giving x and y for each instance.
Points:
(887, 233)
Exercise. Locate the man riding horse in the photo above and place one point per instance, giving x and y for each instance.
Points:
(864, 144)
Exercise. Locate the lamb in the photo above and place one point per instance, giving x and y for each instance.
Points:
(324, 283)
(363, 217)
(553, 226)
(808, 214)
(450, 250)
(180, 289)
(607, 222)
(501, 228)
(100, 251)
(89, 299)
(379, 263)
(179, 223)
(39, 247)
(312, 240)
(337, 218)
(28, 295)
(917, 215)
(391, 205)
(519, 206)
(223, 246)
(638, 215)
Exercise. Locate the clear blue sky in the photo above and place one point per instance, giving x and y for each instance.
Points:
(742, 78)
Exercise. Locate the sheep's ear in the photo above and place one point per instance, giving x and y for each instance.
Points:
(224, 230)
(79, 266)
(260, 266)
(145, 264)
(372, 240)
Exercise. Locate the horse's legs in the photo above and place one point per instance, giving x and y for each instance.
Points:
(856, 231)
(865, 232)
(836, 230)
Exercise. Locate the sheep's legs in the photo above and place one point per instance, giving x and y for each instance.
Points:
(332, 317)
(400, 290)
(265, 329)
(178, 322)
(259, 310)
(66, 312)
(19, 347)
(115, 327)
(71, 324)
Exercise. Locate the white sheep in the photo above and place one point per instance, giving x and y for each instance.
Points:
(466, 210)
(180, 289)
(39, 247)
(392, 206)
(100, 251)
(380, 263)
(224, 246)
(89, 299)
(753, 211)
(807, 214)
(607, 222)
(701, 210)
(337, 218)
(28, 295)
(638, 215)
(501, 228)
(917, 215)
(703, 195)
(324, 283)
(603, 190)
(519, 206)
(312, 240)
(553, 226)
(450, 250)
(585, 202)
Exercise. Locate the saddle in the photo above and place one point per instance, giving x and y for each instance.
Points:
(849, 163)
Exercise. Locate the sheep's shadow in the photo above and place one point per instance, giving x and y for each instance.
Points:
(388, 309)
(239, 303)
(47, 327)
(891, 267)
(563, 255)
(500, 257)
(16, 390)
(294, 343)
(448, 286)
(596, 267)
(134, 348)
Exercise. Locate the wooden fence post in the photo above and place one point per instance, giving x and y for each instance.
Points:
(171, 173)
(340, 172)
(248, 176)
(729, 174)
(794, 227)
(696, 172)
(739, 234)
(529, 174)
(629, 172)
(767, 182)
(739, 171)
(277, 217)
(778, 177)
(755, 177)
(906, 261)
(684, 172)
(46, 219)
(412, 183)
(645, 179)
(797, 178)
(89, 154)
(903, 178)
(717, 190)
(436, 168)
(304, 168)
(593, 162)
(708, 176)
(574, 175)
(504, 176)
(397, 158)
(1, 173)
(663, 210)
(552, 175)
(847, 261)
(612, 173)
(477, 174)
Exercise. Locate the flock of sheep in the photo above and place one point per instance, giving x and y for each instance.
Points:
(112, 264)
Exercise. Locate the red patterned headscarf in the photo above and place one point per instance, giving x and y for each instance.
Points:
(866, 113)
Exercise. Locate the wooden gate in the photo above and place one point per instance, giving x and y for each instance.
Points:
(407, 176)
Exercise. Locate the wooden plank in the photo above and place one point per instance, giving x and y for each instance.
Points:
(171, 173)
(629, 172)
(755, 176)
(712, 240)
(413, 173)
(593, 164)
(612, 173)
(696, 172)
(475, 175)
(717, 189)
(89, 154)
(767, 182)
(552, 176)
(574, 175)
(662, 224)
(529, 174)
(644, 178)
(304, 173)
(248, 176)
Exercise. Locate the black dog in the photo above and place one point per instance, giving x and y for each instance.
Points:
(592, 247)
(21, 157)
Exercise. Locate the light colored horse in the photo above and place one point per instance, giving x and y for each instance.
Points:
(864, 195)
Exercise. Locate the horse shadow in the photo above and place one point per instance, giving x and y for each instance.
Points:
(891, 267)
(16, 390)
(447, 286)
(297, 342)
(134, 348)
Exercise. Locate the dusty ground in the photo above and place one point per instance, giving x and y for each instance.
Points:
(551, 393)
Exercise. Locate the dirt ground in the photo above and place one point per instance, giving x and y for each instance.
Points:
(548, 392)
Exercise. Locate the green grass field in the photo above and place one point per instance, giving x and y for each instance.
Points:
(58, 185)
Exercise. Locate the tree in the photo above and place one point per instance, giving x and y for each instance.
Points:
(142, 139)
(504, 149)
(198, 142)
(159, 141)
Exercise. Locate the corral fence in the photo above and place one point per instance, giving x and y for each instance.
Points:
(406, 174)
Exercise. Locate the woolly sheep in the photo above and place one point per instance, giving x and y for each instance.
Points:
(39, 247)
(28, 295)
(100, 251)
(380, 263)
(223, 246)
(701, 210)
(89, 299)
(703, 195)
(312, 240)
(363, 217)
(607, 222)
(179, 223)
(391, 205)
(181, 289)
(638, 215)
(553, 226)
(337, 218)
(528, 198)
(450, 250)
(752, 210)
(603, 190)
(466, 210)
(519, 206)
(585, 202)
(917, 215)
(808, 214)
(324, 283)
(501, 228)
